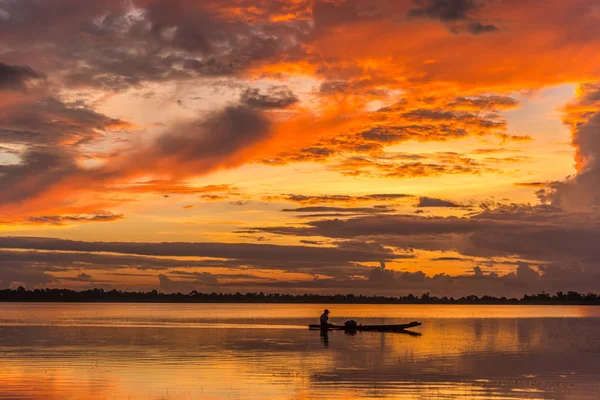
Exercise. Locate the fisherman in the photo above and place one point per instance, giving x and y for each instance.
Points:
(325, 319)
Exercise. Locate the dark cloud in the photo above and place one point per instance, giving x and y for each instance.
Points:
(389, 225)
(337, 198)
(173, 187)
(365, 210)
(35, 269)
(342, 260)
(534, 184)
(477, 28)
(501, 160)
(276, 97)
(410, 165)
(456, 13)
(425, 132)
(435, 202)
(307, 154)
(581, 191)
(388, 196)
(328, 14)
(84, 276)
(220, 139)
(493, 150)
(214, 197)
(473, 120)
(23, 275)
(444, 10)
(204, 277)
(311, 242)
(535, 233)
(66, 219)
(524, 279)
(116, 45)
(362, 166)
(39, 170)
(485, 102)
(198, 281)
(15, 77)
(450, 259)
(333, 87)
(436, 119)
(255, 254)
(53, 261)
(50, 121)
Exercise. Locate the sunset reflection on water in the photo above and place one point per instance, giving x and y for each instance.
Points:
(214, 351)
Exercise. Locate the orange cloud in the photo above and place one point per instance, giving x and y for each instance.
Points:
(427, 77)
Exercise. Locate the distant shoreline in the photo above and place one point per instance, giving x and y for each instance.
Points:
(23, 295)
(290, 303)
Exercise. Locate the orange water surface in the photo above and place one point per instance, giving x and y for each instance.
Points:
(256, 351)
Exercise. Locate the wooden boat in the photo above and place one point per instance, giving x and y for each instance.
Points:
(367, 328)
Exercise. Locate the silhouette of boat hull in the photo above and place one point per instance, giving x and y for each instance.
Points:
(367, 328)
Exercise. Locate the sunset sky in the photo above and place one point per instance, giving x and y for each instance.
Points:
(367, 146)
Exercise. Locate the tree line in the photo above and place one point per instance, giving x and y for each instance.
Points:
(100, 295)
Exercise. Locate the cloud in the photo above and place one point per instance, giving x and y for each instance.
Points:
(222, 139)
(125, 44)
(434, 202)
(337, 198)
(68, 219)
(172, 187)
(385, 168)
(333, 87)
(15, 77)
(40, 170)
(35, 269)
(445, 10)
(49, 121)
(581, 191)
(533, 184)
(254, 254)
(450, 259)
(366, 210)
(84, 276)
(276, 97)
(477, 28)
(456, 13)
(308, 154)
(485, 102)
(23, 275)
(474, 121)
(443, 118)
(198, 281)
(524, 279)
(541, 233)
(217, 141)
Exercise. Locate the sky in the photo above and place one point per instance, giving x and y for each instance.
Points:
(340, 146)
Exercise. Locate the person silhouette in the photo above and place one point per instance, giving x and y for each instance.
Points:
(325, 319)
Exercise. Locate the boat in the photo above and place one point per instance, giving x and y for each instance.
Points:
(367, 328)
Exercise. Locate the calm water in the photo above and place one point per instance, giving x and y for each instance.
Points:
(217, 351)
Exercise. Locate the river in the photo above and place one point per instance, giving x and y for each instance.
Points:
(265, 351)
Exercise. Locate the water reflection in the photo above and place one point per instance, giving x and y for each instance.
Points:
(42, 356)
(325, 337)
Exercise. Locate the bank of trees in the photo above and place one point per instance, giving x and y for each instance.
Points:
(100, 295)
